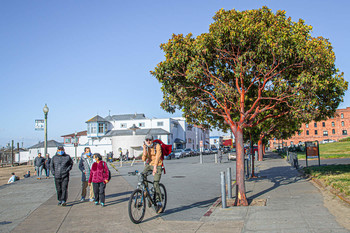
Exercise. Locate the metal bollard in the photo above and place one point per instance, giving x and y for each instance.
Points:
(121, 162)
(216, 158)
(229, 183)
(200, 157)
(256, 156)
(223, 190)
(133, 161)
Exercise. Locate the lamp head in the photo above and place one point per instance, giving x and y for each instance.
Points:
(46, 109)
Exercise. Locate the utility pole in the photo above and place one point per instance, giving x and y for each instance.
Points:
(12, 155)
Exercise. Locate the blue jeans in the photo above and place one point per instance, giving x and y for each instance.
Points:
(39, 170)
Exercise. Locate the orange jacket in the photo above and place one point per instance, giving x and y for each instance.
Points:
(153, 155)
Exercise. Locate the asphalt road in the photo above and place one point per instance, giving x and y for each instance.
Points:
(192, 187)
(314, 162)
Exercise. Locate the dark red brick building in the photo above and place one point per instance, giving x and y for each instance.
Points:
(334, 128)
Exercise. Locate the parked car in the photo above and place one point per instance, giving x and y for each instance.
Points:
(214, 150)
(189, 152)
(196, 152)
(327, 141)
(170, 156)
(179, 153)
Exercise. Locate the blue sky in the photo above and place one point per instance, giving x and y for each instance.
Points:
(86, 57)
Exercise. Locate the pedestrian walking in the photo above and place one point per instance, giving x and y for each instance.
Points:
(61, 164)
(127, 155)
(39, 163)
(47, 165)
(85, 165)
(99, 175)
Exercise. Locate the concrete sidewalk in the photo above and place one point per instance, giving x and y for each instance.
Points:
(292, 205)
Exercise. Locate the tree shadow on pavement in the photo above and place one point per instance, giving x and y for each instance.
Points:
(200, 204)
(278, 176)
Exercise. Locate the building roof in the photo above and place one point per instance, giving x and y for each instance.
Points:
(81, 133)
(50, 143)
(96, 118)
(124, 117)
(127, 132)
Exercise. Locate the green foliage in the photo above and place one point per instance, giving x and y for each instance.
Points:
(344, 139)
(251, 66)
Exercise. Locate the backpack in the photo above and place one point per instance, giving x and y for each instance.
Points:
(166, 150)
(109, 172)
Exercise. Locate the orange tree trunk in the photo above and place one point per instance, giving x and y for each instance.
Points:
(241, 199)
(260, 150)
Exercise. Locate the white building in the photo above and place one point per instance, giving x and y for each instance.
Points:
(216, 142)
(122, 133)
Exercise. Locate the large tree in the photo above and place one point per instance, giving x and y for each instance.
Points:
(249, 63)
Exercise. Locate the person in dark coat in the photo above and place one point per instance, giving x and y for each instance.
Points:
(39, 163)
(47, 165)
(61, 164)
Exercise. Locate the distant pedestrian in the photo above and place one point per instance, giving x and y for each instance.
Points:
(47, 165)
(99, 178)
(85, 165)
(127, 155)
(39, 163)
(61, 164)
(13, 178)
(220, 154)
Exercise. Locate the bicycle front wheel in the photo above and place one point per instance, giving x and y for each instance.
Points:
(137, 206)
(163, 195)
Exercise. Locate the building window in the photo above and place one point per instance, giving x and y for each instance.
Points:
(123, 125)
(342, 123)
(67, 140)
(307, 125)
(93, 128)
(323, 124)
(333, 131)
(89, 129)
(189, 128)
(342, 115)
(333, 124)
(315, 124)
(142, 124)
(315, 132)
(325, 133)
(189, 140)
(345, 132)
(160, 123)
(332, 117)
(100, 128)
(299, 133)
(307, 132)
(215, 141)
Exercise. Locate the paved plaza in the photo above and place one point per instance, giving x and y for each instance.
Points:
(293, 204)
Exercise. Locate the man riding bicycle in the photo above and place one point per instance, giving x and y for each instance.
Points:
(152, 153)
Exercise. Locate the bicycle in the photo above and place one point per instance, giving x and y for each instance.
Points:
(137, 200)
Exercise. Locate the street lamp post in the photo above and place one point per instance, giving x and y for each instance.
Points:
(46, 111)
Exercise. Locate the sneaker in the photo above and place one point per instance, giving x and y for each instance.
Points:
(59, 203)
(91, 199)
(63, 203)
(159, 208)
(102, 204)
(82, 199)
(96, 202)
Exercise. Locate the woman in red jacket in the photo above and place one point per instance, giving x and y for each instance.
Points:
(99, 177)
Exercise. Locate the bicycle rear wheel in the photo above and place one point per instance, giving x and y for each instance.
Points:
(137, 206)
(163, 195)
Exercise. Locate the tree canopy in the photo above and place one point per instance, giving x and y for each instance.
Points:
(251, 66)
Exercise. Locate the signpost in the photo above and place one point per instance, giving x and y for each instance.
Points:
(312, 151)
(39, 125)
